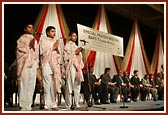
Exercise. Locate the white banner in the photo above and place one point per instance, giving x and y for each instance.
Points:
(91, 39)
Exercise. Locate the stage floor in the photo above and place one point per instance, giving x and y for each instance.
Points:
(132, 106)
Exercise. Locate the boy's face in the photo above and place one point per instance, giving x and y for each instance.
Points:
(120, 73)
(91, 70)
(73, 37)
(147, 76)
(126, 73)
(109, 72)
(151, 76)
(51, 33)
(29, 29)
(136, 74)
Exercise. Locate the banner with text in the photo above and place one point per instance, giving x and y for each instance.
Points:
(91, 39)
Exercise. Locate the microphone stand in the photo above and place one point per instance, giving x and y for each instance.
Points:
(123, 106)
(37, 36)
(42, 102)
(72, 94)
(90, 88)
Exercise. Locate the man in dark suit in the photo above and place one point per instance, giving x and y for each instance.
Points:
(137, 87)
(159, 85)
(126, 79)
(91, 86)
(123, 86)
(108, 86)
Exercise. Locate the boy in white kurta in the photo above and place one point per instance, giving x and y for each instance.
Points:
(50, 68)
(27, 61)
(73, 66)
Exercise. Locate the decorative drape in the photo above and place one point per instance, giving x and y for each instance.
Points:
(158, 57)
(135, 56)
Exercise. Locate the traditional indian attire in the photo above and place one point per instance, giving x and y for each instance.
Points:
(74, 75)
(51, 71)
(27, 62)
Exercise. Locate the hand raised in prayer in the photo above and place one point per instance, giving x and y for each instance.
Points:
(31, 44)
(78, 50)
(55, 46)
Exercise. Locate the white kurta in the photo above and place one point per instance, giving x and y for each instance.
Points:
(74, 74)
(51, 72)
(27, 61)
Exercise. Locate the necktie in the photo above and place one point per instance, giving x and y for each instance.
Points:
(128, 80)
(121, 79)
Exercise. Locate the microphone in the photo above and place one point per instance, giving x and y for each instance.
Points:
(84, 41)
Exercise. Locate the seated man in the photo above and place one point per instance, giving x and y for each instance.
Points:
(120, 83)
(91, 86)
(147, 85)
(160, 86)
(108, 86)
(127, 81)
(137, 87)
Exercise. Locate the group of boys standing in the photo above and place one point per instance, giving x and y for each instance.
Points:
(28, 54)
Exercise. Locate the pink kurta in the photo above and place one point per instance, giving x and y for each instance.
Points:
(74, 76)
(27, 60)
(25, 56)
(52, 58)
(71, 59)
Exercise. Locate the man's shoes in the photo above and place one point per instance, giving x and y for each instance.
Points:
(134, 100)
(127, 101)
(155, 100)
(113, 101)
(143, 99)
(97, 103)
(106, 102)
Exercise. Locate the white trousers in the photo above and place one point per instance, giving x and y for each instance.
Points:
(72, 83)
(49, 92)
(26, 87)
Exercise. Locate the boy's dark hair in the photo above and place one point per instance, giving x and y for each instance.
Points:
(107, 69)
(150, 74)
(70, 34)
(49, 28)
(135, 71)
(25, 26)
(145, 76)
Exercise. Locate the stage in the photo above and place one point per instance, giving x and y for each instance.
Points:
(132, 106)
